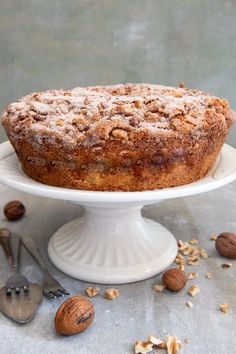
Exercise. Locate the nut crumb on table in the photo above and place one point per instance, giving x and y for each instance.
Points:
(142, 347)
(189, 304)
(194, 290)
(224, 307)
(92, 292)
(111, 294)
(158, 288)
(192, 275)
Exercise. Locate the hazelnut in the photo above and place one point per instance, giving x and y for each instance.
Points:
(75, 315)
(14, 210)
(226, 245)
(174, 279)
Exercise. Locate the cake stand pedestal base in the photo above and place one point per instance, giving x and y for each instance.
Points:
(112, 245)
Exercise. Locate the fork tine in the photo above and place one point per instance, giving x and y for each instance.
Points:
(8, 291)
(57, 293)
(64, 291)
(17, 290)
(50, 295)
(26, 288)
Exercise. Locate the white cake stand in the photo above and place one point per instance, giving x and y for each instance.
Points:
(112, 243)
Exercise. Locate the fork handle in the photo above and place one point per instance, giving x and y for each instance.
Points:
(15, 248)
(31, 247)
(5, 235)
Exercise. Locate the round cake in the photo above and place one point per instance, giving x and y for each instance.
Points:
(130, 137)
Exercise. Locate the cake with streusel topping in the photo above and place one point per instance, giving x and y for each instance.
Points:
(131, 137)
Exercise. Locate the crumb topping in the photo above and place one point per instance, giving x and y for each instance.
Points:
(94, 114)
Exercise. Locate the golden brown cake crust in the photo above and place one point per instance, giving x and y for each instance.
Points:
(123, 137)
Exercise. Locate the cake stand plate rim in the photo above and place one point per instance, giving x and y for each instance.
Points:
(222, 173)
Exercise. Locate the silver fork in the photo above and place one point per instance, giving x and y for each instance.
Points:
(17, 282)
(51, 287)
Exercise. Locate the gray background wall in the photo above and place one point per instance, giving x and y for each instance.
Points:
(53, 44)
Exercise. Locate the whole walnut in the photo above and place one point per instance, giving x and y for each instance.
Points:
(75, 315)
(174, 279)
(226, 245)
(14, 210)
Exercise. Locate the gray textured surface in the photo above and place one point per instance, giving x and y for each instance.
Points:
(53, 44)
(139, 311)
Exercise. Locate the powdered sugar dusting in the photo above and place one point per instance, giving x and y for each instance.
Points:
(87, 115)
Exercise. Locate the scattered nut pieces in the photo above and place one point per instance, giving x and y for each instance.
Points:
(213, 237)
(193, 254)
(91, 292)
(160, 343)
(14, 210)
(159, 288)
(174, 279)
(142, 347)
(224, 308)
(187, 340)
(226, 265)
(189, 304)
(111, 294)
(180, 259)
(203, 254)
(226, 245)
(194, 290)
(192, 275)
(193, 260)
(173, 344)
(209, 275)
(194, 241)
